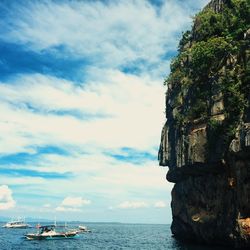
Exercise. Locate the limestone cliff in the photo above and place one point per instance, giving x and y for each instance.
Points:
(206, 139)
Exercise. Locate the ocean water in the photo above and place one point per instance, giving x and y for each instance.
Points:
(103, 236)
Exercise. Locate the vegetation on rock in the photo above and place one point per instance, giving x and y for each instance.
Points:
(213, 58)
(206, 139)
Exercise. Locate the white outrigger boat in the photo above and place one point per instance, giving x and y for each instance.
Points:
(83, 229)
(16, 224)
(49, 233)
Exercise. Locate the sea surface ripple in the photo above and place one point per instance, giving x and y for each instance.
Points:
(103, 236)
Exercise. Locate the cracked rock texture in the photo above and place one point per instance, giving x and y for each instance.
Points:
(205, 142)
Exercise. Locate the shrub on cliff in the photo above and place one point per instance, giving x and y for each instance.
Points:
(213, 60)
(207, 56)
(208, 24)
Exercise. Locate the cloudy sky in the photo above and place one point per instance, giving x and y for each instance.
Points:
(82, 107)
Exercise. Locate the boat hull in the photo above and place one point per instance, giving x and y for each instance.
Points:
(18, 227)
(58, 236)
(83, 231)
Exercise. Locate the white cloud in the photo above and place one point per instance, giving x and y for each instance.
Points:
(130, 107)
(160, 204)
(119, 30)
(47, 205)
(132, 204)
(75, 202)
(22, 180)
(110, 35)
(139, 204)
(67, 209)
(97, 168)
(6, 199)
(72, 204)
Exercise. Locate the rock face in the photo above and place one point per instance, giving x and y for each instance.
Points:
(206, 139)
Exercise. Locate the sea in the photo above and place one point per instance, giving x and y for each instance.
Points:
(103, 236)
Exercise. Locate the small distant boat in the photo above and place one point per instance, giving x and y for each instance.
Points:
(49, 232)
(16, 224)
(83, 229)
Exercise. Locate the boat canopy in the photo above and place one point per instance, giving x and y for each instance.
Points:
(46, 226)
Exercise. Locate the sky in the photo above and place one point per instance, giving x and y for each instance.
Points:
(82, 107)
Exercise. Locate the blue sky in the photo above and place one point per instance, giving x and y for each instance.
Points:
(82, 107)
